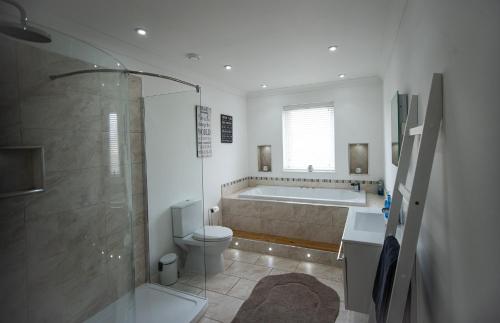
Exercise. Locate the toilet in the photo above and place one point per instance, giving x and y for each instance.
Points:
(204, 245)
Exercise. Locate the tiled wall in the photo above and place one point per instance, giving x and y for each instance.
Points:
(66, 252)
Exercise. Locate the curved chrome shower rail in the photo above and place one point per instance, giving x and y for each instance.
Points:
(110, 70)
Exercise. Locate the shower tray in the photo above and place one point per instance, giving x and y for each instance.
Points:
(153, 304)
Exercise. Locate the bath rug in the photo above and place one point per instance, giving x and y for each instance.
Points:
(289, 298)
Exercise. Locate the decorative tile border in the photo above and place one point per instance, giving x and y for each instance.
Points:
(309, 180)
(236, 181)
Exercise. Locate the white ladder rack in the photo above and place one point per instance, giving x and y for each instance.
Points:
(416, 195)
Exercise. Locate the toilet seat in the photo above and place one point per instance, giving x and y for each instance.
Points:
(212, 233)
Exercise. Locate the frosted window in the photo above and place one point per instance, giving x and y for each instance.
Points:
(308, 138)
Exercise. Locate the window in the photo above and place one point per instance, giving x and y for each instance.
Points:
(308, 138)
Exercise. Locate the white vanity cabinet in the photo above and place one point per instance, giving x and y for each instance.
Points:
(360, 249)
(360, 265)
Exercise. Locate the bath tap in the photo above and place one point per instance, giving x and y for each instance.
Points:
(356, 186)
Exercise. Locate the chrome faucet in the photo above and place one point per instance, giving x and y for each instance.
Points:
(356, 186)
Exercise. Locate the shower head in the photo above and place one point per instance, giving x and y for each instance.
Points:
(22, 30)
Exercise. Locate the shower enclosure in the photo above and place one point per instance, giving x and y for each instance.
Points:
(73, 206)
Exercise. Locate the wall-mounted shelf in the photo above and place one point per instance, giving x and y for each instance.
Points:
(22, 170)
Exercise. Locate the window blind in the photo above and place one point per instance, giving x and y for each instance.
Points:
(308, 138)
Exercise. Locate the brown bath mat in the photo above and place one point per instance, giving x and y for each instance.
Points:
(289, 298)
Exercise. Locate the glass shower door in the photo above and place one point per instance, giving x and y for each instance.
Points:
(174, 175)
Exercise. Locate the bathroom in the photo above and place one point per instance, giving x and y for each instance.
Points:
(169, 161)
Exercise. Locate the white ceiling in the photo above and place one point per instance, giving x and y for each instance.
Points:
(278, 42)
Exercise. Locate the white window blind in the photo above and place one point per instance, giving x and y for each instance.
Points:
(308, 138)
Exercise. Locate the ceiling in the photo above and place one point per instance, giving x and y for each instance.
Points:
(277, 42)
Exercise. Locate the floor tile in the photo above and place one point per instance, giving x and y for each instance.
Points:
(222, 308)
(242, 289)
(280, 263)
(186, 288)
(346, 316)
(335, 285)
(227, 263)
(320, 271)
(241, 255)
(248, 271)
(275, 271)
(207, 320)
(219, 283)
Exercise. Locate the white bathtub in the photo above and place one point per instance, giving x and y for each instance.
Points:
(306, 195)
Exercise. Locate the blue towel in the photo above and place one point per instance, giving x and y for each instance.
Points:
(385, 276)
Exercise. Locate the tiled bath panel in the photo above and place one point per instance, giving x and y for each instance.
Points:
(313, 222)
(67, 252)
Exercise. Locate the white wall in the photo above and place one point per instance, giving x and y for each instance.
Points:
(458, 256)
(358, 119)
(174, 171)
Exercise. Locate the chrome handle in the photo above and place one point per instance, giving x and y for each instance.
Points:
(339, 258)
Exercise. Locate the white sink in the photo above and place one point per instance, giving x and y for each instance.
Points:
(371, 222)
(365, 225)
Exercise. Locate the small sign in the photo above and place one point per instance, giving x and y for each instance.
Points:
(203, 131)
(226, 129)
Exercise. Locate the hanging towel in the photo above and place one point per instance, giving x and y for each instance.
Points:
(385, 276)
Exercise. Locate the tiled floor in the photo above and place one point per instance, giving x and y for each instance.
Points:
(227, 291)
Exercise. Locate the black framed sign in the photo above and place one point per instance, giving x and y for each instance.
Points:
(226, 129)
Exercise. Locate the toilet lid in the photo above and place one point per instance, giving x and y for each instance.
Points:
(212, 233)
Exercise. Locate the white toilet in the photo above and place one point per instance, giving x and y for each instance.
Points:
(198, 240)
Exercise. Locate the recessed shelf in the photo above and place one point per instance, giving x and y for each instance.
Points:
(22, 169)
(264, 155)
(358, 159)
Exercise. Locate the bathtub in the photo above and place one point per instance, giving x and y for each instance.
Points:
(334, 196)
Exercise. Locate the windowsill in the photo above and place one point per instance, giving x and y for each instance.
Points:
(306, 171)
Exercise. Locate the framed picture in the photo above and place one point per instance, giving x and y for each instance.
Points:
(203, 131)
(226, 129)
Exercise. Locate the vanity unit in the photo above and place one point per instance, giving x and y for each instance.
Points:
(361, 245)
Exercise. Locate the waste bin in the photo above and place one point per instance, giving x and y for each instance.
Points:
(168, 269)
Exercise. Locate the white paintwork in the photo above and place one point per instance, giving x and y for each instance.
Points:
(416, 197)
(358, 118)
(170, 132)
(258, 38)
(152, 303)
(306, 195)
(457, 255)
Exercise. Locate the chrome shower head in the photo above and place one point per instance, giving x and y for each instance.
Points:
(22, 30)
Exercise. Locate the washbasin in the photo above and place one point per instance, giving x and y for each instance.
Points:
(368, 221)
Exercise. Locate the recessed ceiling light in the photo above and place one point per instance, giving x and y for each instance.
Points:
(193, 56)
(263, 86)
(141, 31)
(228, 67)
(270, 249)
(333, 48)
(341, 76)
